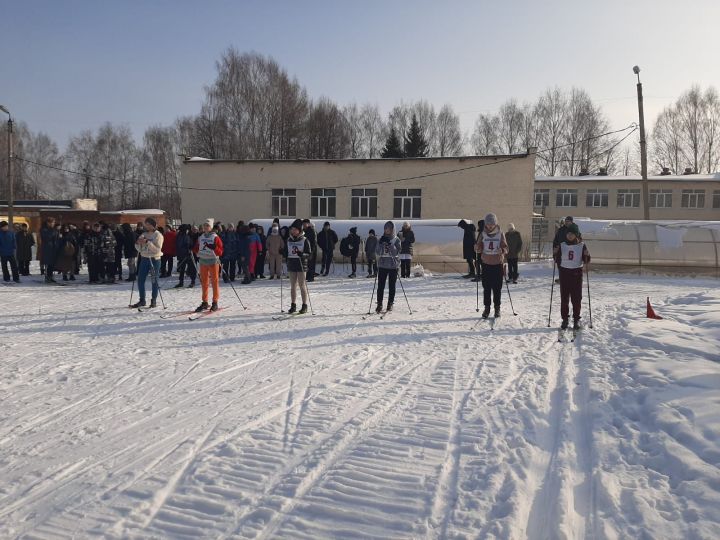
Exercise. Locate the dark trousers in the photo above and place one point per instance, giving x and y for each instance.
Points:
(24, 268)
(186, 265)
(312, 262)
(9, 260)
(327, 259)
(244, 265)
(471, 266)
(229, 267)
(260, 265)
(571, 281)
(492, 281)
(512, 269)
(405, 268)
(110, 271)
(353, 263)
(96, 267)
(166, 265)
(383, 275)
(372, 267)
(118, 266)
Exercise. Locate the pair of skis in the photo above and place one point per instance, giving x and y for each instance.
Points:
(568, 335)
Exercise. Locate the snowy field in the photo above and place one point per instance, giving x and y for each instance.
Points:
(121, 424)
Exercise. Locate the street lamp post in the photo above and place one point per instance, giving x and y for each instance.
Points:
(643, 148)
(11, 188)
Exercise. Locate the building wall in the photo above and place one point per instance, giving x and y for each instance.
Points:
(505, 187)
(677, 184)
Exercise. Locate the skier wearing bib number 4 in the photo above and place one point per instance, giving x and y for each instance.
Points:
(570, 256)
(492, 247)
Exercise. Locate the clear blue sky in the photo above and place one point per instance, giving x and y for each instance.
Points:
(69, 65)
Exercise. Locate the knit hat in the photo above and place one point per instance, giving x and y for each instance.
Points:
(353, 230)
(306, 220)
(461, 223)
(491, 219)
(297, 224)
(210, 221)
(389, 225)
(151, 221)
(372, 231)
(572, 228)
(569, 218)
(326, 224)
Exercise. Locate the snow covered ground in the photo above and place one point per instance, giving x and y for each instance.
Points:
(120, 424)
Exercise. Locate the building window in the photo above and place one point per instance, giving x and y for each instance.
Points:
(541, 198)
(596, 198)
(661, 198)
(283, 203)
(407, 203)
(693, 198)
(322, 203)
(716, 199)
(363, 203)
(566, 197)
(628, 198)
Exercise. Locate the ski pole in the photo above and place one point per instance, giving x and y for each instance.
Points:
(153, 275)
(281, 291)
(132, 289)
(587, 273)
(307, 290)
(477, 285)
(405, 295)
(552, 288)
(510, 298)
(217, 261)
(373, 294)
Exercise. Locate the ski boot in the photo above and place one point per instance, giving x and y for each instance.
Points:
(389, 307)
(293, 308)
(576, 324)
(378, 309)
(486, 312)
(564, 324)
(179, 285)
(214, 306)
(202, 307)
(153, 303)
(139, 304)
(497, 312)
(303, 309)
(352, 275)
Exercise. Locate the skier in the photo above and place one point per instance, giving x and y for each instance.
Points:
(570, 257)
(93, 253)
(8, 247)
(275, 249)
(49, 238)
(65, 262)
(406, 252)
(370, 247)
(149, 246)
(514, 241)
(388, 249)
(297, 253)
(209, 248)
(492, 248)
(468, 246)
(327, 240)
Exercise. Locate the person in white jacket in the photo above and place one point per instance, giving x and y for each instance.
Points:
(149, 247)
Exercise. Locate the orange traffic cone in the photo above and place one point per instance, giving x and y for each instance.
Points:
(651, 312)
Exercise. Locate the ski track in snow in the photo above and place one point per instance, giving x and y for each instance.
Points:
(122, 424)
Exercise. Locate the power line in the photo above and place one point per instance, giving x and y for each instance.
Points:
(358, 185)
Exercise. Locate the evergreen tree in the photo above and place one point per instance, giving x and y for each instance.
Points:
(415, 144)
(392, 148)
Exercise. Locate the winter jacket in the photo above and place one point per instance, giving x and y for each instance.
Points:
(183, 245)
(468, 239)
(152, 249)
(231, 245)
(119, 241)
(65, 262)
(353, 244)
(243, 236)
(255, 249)
(492, 246)
(49, 240)
(209, 247)
(24, 241)
(108, 243)
(275, 244)
(8, 243)
(128, 242)
(297, 253)
(327, 240)
(408, 239)
(371, 243)
(311, 237)
(168, 247)
(388, 252)
(514, 242)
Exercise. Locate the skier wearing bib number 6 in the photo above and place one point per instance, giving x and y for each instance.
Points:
(492, 247)
(570, 256)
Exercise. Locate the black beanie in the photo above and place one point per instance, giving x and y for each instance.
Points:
(297, 224)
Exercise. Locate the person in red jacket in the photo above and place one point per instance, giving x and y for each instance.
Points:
(209, 248)
(255, 249)
(168, 252)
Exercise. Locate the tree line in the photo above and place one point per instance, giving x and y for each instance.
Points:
(255, 110)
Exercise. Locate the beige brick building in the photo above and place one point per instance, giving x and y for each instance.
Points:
(418, 188)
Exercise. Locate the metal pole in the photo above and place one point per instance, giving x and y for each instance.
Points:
(643, 151)
(552, 289)
(11, 191)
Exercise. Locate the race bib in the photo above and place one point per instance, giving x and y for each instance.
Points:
(571, 255)
(491, 244)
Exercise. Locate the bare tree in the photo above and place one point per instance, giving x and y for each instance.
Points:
(353, 125)
(373, 130)
(485, 140)
(448, 135)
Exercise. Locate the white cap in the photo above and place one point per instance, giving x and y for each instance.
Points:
(210, 221)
